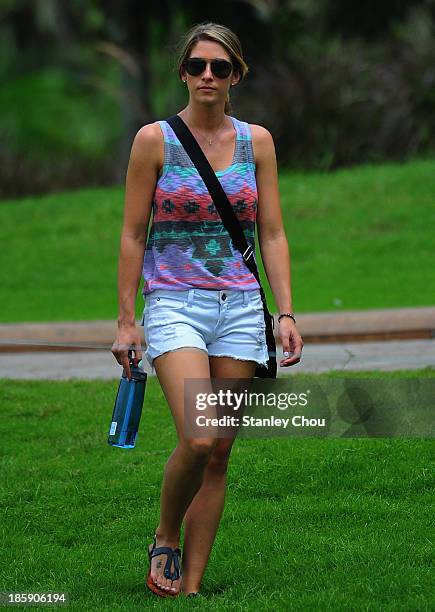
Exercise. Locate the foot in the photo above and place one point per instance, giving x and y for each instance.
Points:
(172, 587)
(192, 591)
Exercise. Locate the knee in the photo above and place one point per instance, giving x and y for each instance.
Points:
(200, 448)
(218, 462)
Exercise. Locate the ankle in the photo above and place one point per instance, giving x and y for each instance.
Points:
(170, 539)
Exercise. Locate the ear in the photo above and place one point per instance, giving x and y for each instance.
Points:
(235, 78)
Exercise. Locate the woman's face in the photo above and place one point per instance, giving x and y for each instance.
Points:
(218, 88)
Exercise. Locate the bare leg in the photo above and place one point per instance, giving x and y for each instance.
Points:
(183, 473)
(203, 516)
(204, 513)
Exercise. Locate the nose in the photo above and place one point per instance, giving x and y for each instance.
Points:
(207, 72)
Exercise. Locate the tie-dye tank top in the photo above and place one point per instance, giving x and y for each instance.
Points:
(188, 244)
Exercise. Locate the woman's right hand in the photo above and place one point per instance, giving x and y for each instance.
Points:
(127, 338)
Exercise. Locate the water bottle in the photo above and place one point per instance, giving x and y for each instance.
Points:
(128, 406)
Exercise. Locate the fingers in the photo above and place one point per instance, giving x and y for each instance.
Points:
(126, 348)
(137, 353)
(125, 360)
(292, 350)
(291, 360)
(126, 364)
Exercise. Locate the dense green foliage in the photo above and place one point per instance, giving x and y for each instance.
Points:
(337, 83)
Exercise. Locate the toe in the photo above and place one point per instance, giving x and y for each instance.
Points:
(165, 583)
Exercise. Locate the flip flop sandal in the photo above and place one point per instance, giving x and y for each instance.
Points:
(173, 554)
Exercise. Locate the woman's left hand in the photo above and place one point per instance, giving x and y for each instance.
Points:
(291, 342)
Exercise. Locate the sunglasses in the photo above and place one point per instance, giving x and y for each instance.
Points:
(219, 67)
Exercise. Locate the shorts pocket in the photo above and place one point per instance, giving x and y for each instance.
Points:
(160, 303)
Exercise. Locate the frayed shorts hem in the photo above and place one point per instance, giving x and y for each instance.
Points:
(170, 350)
(259, 361)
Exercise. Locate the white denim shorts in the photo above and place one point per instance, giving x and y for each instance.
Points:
(228, 322)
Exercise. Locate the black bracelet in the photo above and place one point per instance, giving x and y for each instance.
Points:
(287, 314)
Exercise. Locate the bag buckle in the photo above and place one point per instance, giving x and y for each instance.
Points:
(248, 250)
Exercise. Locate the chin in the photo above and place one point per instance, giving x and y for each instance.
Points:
(207, 102)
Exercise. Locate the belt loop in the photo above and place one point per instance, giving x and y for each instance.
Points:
(190, 296)
(245, 297)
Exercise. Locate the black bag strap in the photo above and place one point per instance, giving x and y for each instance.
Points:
(218, 195)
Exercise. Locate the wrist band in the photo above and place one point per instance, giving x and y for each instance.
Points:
(287, 314)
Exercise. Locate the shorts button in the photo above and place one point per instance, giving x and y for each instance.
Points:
(224, 297)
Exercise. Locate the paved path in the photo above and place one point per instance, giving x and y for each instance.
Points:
(389, 355)
(315, 327)
(384, 339)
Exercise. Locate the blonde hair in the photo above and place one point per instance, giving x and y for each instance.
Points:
(208, 30)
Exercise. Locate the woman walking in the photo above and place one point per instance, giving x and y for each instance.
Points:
(203, 314)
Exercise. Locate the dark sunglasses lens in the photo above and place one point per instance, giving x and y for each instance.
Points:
(195, 66)
(221, 68)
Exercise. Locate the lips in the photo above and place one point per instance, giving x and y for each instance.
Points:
(208, 88)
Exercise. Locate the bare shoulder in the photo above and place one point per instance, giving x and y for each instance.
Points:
(150, 132)
(148, 137)
(260, 133)
(148, 145)
(262, 142)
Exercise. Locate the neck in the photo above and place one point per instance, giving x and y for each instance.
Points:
(204, 118)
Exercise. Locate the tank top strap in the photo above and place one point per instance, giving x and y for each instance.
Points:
(244, 152)
(174, 152)
(168, 133)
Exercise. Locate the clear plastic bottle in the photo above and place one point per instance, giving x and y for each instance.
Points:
(128, 407)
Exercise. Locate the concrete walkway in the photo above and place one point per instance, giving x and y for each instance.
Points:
(346, 326)
(387, 355)
(386, 339)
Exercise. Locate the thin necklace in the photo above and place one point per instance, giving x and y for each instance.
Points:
(210, 140)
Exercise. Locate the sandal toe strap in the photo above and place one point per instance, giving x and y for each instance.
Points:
(175, 575)
(172, 555)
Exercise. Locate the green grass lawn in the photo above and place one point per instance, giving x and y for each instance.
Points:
(359, 238)
(309, 524)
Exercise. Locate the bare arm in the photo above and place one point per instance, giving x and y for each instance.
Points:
(141, 180)
(272, 239)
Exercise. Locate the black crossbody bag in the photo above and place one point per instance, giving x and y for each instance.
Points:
(233, 227)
